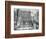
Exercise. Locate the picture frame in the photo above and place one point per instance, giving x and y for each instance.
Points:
(24, 8)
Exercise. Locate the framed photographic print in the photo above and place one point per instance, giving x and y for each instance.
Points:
(24, 19)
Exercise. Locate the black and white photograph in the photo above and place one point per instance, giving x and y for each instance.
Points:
(26, 19)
